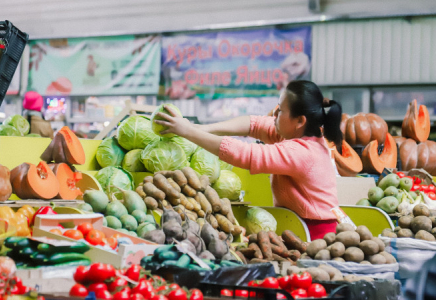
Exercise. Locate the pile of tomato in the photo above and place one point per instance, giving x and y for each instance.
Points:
(133, 283)
(93, 236)
(429, 190)
(298, 285)
(14, 286)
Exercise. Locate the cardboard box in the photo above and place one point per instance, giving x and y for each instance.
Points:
(48, 279)
(352, 189)
(126, 255)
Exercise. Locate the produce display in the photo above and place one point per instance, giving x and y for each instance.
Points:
(325, 272)
(349, 245)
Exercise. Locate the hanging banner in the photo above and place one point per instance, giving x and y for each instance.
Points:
(122, 65)
(248, 63)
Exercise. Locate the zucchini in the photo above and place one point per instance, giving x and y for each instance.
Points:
(26, 252)
(39, 258)
(169, 255)
(50, 249)
(169, 263)
(59, 258)
(146, 260)
(80, 262)
(161, 249)
(209, 262)
(229, 263)
(11, 241)
(184, 261)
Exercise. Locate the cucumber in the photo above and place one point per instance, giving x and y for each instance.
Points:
(11, 241)
(80, 262)
(169, 255)
(229, 263)
(184, 261)
(39, 258)
(146, 260)
(59, 258)
(169, 263)
(209, 262)
(159, 250)
(26, 252)
(50, 249)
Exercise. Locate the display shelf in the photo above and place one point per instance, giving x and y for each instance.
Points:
(39, 203)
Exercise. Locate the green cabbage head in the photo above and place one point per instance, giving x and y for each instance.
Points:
(109, 153)
(135, 133)
(157, 128)
(18, 122)
(258, 219)
(228, 185)
(187, 146)
(225, 166)
(112, 176)
(132, 161)
(161, 156)
(205, 163)
(7, 130)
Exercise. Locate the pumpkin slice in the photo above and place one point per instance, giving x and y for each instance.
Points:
(73, 149)
(17, 177)
(373, 163)
(67, 181)
(41, 182)
(416, 123)
(349, 163)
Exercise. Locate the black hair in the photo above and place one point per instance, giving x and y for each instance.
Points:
(305, 99)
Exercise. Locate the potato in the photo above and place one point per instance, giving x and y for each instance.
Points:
(344, 227)
(334, 273)
(377, 259)
(364, 233)
(330, 238)
(318, 274)
(315, 246)
(386, 231)
(294, 269)
(337, 249)
(404, 221)
(369, 247)
(365, 262)
(379, 242)
(421, 210)
(405, 233)
(351, 278)
(421, 223)
(433, 231)
(305, 256)
(433, 221)
(390, 259)
(354, 254)
(339, 259)
(348, 238)
(366, 278)
(323, 255)
(396, 229)
(424, 235)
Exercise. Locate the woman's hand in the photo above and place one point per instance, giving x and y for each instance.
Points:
(175, 123)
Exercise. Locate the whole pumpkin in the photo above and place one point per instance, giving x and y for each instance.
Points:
(415, 155)
(362, 128)
(5, 183)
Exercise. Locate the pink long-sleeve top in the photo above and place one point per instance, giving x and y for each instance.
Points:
(303, 178)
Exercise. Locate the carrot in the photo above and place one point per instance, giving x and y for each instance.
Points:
(241, 256)
(179, 178)
(225, 209)
(224, 223)
(150, 202)
(293, 242)
(174, 184)
(258, 261)
(236, 230)
(189, 191)
(230, 215)
(162, 183)
(140, 191)
(264, 244)
(278, 258)
(151, 190)
(212, 221)
(205, 205)
(201, 213)
(247, 252)
(204, 181)
(196, 206)
(294, 255)
(184, 201)
(257, 251)
(252, 238)
(283, 252)
(213, 198)
(192, 177)
(148, 179)
(273, 237)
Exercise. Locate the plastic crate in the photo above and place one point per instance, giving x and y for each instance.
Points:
(14, 41)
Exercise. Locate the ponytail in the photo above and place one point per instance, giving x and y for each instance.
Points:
(332, 122)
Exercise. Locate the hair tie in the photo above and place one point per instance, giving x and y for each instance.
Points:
(325, 102)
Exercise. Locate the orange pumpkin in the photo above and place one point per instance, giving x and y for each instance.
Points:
(373, 163)
(416, 156)
(362, 128)
(67, 181)
(5, 183)
(416, 123)
(349, 163)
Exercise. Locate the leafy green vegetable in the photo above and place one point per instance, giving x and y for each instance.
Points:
(205, 163)
(132, 161)
(18, 122)
(135, 133)
(187, 146)
(157, 128)
(111, 176)
(7, 130)
(258, 219)
(228, 185)
(161, 156)
(225, 166)
(109, 153)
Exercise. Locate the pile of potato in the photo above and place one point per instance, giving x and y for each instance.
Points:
(268, 246)
(420, 225)
(326, 272)
(349, 245)
(190, 196)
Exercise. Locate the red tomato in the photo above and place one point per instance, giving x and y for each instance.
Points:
(196, 294)
(299, 293)
(253, 283)
(417, 180)
(95, 287)
(17, 280)
(424, 188)
(158, 280)
(159, 297)
(302, 280)
(94, 237)
(117, 285)
(56, 231)
(401, 174)
(136, 296)
(13, 290)
(23, 289)
(415, 187)
(285, 282)
(134, 272)
(123, 294)
(432, 195)
(100, 272)
(78, 290)
(174, 286)
(240, 294)
(177, 294)
(84, 228)
(280, 296)
(73, 234)
(226, 293)
(80, 274)
(162, 288)
(316, 290)
(145, 288)
(104, 295)
(270, 283)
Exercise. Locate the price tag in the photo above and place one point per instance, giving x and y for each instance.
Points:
(182, 249)
(342, 216)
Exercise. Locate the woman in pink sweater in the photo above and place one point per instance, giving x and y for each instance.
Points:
(296, 154)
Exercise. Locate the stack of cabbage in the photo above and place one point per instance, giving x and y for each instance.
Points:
(16, 125)
(139, 147)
